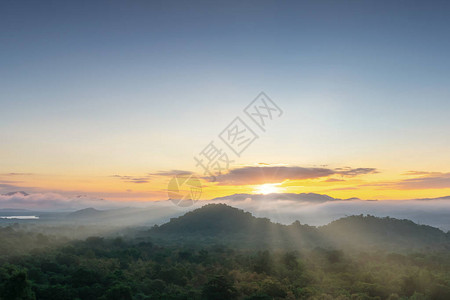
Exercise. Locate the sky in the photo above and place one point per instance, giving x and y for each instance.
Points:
(111, 99)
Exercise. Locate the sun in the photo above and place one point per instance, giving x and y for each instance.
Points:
(267, 188)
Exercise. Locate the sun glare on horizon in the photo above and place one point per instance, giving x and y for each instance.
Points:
(268, 188)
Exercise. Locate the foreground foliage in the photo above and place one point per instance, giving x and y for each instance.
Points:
(219, 252)
(99, 268)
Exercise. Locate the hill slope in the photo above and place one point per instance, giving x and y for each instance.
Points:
(226, 224)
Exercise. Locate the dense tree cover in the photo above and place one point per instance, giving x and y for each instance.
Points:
(391, 233)
(99, 268)
(14, 239)
(219, 252)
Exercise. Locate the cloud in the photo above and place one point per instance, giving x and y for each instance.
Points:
(344, 189)
(420, 181)
(426, 180)
(260, 175)
(133, 179)
(18, 174)
(138, 180)
(347, 171)
(147, 178)
(417, 173)
(53, 201)
(57, 201)
(273, 174)
(334, 180)
(172, 173)
(12, 186)
(5, 185)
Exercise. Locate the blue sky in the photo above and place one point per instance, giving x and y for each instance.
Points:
(94, 87)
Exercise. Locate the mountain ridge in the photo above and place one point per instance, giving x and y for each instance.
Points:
(222, 222)
(306, 197)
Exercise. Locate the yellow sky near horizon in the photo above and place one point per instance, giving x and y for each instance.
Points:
(150, 187)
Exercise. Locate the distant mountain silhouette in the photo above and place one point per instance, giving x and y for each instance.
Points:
(223, 223)
(439, 198)
(22, 193)
(12, 210)
(126, 216)
(304, 197)
(85, 213)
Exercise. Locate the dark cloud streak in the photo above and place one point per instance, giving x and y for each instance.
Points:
(427, 181)
(171, 173)
(273, 174)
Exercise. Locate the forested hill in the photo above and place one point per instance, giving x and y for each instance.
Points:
(213, 219)
(388, 232)
(220, 222)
